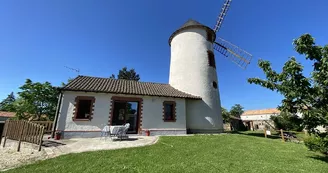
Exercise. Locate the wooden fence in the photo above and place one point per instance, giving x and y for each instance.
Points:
(47, 125)
(23, 131)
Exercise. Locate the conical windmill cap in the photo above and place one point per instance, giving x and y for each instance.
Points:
(192, 24)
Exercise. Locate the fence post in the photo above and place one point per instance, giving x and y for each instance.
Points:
(265, 134)
(282, 135)
(41, 137)
(20, 135)
(33, 133)
(5, 133)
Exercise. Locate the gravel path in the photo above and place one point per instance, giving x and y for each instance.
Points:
(10, 158)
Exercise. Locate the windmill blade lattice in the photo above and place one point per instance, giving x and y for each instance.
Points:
(221, 16)
(233, 52)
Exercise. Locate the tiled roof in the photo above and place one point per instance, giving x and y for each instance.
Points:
(122, 86)
(7, 114)
(261, 111)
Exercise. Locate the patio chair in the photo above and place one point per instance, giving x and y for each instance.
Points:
(105, 132)
(122, 132)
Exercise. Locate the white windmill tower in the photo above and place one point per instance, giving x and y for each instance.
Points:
(193, 70)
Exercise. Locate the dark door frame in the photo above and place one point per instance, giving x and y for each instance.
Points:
(127, 99)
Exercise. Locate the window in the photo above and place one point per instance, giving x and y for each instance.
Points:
(83, 108)
(169, 111)
(211, 59)
(215, 85)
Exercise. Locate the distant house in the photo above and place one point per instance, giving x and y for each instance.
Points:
(3, 117)
(259, 119)
(234, 124)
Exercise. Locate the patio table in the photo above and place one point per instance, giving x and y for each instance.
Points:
(115, 129)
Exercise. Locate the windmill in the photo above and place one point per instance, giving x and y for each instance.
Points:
(227, 49)
(193, 70)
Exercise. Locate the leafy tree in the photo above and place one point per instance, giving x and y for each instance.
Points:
(23, 109)
(68, 81)
(287, 121)
(124, 73)
(112, 76)
(305, 95)
(228, 117)
(37, 99)
(225, 114)
(8, 103)
(236, 110)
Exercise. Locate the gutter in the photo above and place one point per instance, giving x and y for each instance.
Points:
(57, 114)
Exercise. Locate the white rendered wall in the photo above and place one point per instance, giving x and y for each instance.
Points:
(152, 115)
(190, 72)
(257, 117)
(83, 128)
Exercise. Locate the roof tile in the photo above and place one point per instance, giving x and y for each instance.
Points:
(7, 114)
(122, 86)
(261, 111)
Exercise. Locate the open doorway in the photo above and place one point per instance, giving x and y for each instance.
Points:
(126, 112)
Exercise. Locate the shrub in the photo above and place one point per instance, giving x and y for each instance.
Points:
(287, 121)
(317, 143)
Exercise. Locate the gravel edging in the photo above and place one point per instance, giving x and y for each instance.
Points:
(10, 158)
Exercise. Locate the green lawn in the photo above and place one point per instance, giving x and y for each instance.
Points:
(200, 153)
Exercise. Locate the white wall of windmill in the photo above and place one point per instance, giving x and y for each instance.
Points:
(190, 72)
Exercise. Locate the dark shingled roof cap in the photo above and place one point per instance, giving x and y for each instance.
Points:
(192, 24)
(122, 86)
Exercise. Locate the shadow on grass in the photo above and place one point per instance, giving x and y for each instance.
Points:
(321, 158)
(256, 134)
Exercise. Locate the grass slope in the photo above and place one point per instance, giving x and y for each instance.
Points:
(201, 153)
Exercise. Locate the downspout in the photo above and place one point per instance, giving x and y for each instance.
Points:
(57, 114)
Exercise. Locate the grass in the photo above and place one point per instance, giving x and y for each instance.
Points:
(200, 153)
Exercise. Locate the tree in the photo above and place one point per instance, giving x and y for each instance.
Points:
(236, 110)
(124, 73)
(68, 81)
(225, 114)
(112, 76)
(305, 95)
(287, 121)
(37, 99)
(228, 117)
(8, 103)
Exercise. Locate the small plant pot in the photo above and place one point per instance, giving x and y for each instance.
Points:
(147, 133)
(57, 135)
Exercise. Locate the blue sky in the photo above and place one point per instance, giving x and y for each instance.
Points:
(39, 38)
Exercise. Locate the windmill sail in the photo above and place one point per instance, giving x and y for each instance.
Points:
(233, 52)
(221, 16)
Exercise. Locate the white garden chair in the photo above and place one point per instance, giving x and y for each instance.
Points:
(122, 132)
(105, 132)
